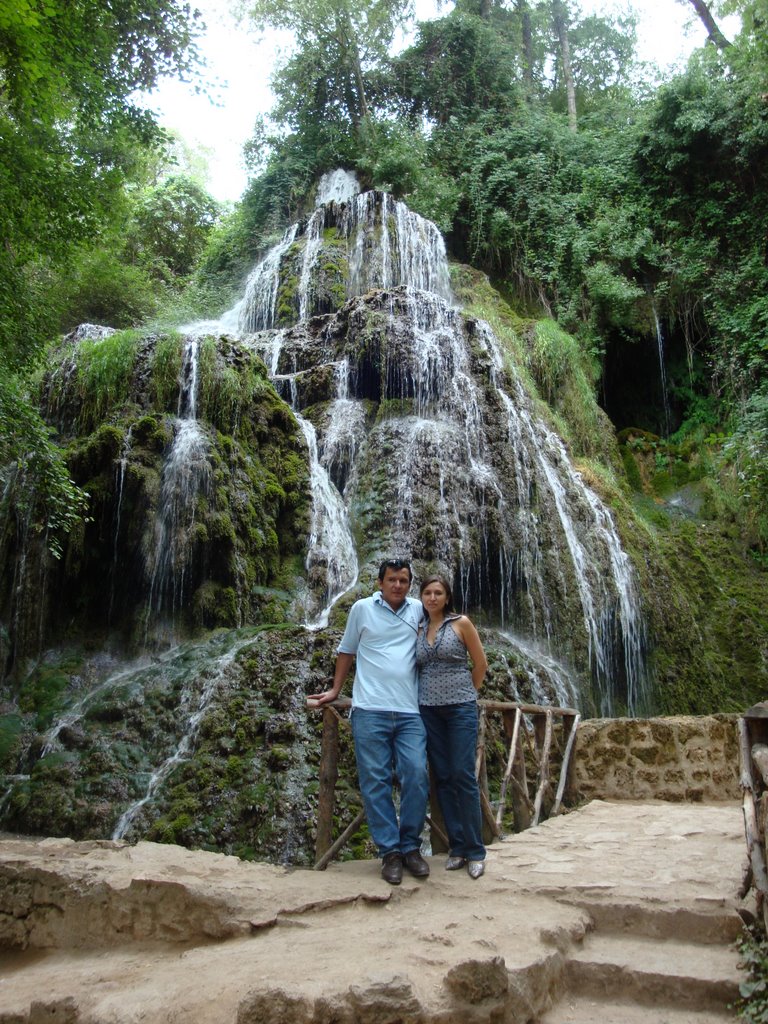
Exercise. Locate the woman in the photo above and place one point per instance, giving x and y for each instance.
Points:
(448, 704)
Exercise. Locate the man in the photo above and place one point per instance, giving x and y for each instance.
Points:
(386, 724)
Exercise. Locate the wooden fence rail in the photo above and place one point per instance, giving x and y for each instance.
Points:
(530, 736)
(753, 763)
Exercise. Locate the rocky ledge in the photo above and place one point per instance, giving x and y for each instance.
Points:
(110, 932)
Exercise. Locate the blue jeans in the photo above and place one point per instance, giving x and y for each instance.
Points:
(389, 744)
(451, 742)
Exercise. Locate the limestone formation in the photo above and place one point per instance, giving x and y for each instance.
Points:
(95, 932)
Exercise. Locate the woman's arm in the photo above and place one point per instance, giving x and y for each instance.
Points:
(471, 640)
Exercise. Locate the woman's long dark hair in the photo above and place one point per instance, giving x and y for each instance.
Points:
(438, 578)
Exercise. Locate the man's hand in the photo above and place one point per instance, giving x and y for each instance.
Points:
(323, 698)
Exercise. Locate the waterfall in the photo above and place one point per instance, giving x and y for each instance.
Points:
(186, 475)
(524, 536)
(331, 552)
(122, 466)
(387, 245)
(336, 187)
(314, 239)
(80, 707)
(604, 577)
(546, 675)
(390, 245)
(257, 309)
(345, 430)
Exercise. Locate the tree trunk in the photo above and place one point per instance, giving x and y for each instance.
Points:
(710, 25)
(561, 27)
(524, 11)
(345, 34)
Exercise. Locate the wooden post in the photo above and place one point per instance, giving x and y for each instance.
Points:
(570, 728)
(521, 803)
(491, 830)
(329, 772)
(480, 747)
(438, 836)
(510, 760)
(488, 818)
(755, 847)
(544, 783)
(435, 832)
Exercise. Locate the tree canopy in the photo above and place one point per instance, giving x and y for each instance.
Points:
(73, 132)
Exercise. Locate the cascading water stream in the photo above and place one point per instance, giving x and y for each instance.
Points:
(122, 466)
(256, 312)
(314, 239)
(611, 616)
(80, 708)
(547, 677)
(330, 546)
(186, 475)
(193, 707)
(488, 518)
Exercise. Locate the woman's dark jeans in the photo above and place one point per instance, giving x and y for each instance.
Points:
(451, 742)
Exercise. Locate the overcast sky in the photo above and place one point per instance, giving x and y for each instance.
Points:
(240, 66)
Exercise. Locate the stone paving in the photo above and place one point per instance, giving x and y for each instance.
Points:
(618, 912)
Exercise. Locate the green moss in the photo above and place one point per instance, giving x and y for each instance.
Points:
(214, 605)
(93, 378)
(11, 731)
(631, 469)
(166, 370)
(43, 691)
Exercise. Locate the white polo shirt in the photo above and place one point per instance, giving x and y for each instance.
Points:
(384, 643)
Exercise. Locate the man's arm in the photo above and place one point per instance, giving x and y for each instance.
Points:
(343, 665)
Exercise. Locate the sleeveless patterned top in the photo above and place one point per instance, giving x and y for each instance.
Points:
(444, 676)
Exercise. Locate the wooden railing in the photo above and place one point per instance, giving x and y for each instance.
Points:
(753, 760)
(532, 742)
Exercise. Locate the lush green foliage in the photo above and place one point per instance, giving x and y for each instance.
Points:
(94, 379)
(32, 470)
(73, 133)
(169, 226)
(753, 1004)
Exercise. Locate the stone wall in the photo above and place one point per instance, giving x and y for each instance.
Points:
(656, 759)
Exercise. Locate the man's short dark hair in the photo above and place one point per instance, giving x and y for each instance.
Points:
(395, 563)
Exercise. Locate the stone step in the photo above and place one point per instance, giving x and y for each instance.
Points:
(580, 1010)
(712, 923)
(653, 972)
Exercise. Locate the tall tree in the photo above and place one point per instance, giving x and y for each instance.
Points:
(560, 18)
(709, 23)
(339, 43)
(523, 9)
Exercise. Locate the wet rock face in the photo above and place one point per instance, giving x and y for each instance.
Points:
(198, 494)
(433, 444)
(209, 746)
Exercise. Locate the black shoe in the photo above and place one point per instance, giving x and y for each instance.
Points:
(416, 864)
(392, 868)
